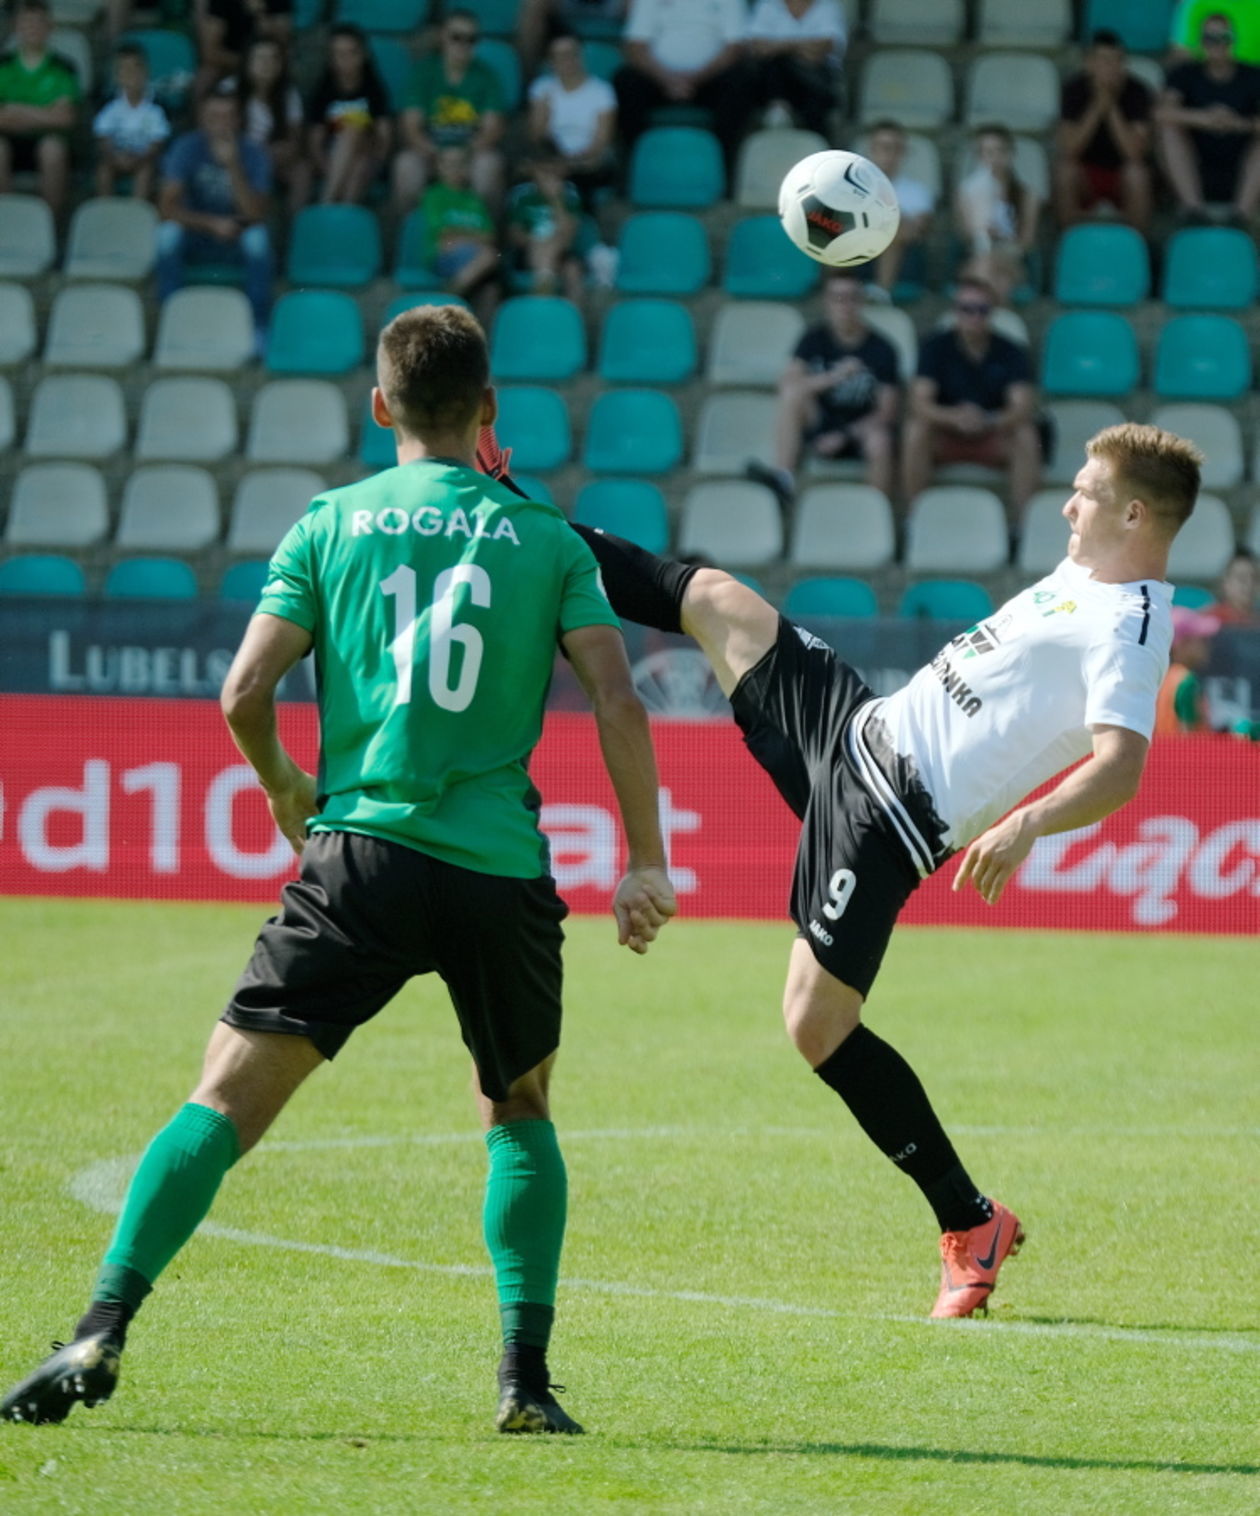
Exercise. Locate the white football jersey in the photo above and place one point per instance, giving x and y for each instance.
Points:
(1010, 703)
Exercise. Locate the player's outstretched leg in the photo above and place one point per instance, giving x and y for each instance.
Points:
(970, 1262)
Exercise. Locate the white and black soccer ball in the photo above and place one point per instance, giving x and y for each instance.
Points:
(839, 208)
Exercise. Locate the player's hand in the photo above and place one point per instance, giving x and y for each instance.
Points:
(642, 903)
(993, 857)
(292, 806)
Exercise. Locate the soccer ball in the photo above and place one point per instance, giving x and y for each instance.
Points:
(838, 208)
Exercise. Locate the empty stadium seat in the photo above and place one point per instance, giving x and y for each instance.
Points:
(1205, 543)
(112, 238)
(732, 522)
(74, 47)
(95, 326)
(763, 264)
(898, 328)
(752, 341)
(1016, 23)
(150, 579)
(647, 342)
(916, 24)
(1089, 353)
(338, 246)
(1019, 89)
(244, 580)
(630, 508)
(168, 508)
(412, 269)
(395, 65)
(498, 17)
(1202, 358)
(1074, 422)
(663, 253)
(58, 505)
(635, 431)
(946, 600)
(1099, 264)
(537, 337)
(502, 57)
(676, 166)
(956, 527)
(384, 15)
(8, 418)
(1210, 267)
(189, 420)
(41, 574)
(1043, 532)
(830, 597)
(376, 443)
(1193, 597)
(315, 332)
(28, 240)
(1142, 23)
(1215, 431)
(910, 85)
(534, 423)
(17, 324)
(205, 327)
(764, 158)
(266, 504)
(734, 427)
(842, 526)
(297, 421)
(534, 488)
(76, 416)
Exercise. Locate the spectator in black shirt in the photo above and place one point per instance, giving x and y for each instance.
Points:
(1208, 118)
(350, 120)
(839, 395)
(1103, 141)
(225, 28)
(973, 401)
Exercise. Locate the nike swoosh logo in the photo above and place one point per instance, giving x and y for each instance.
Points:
(987, 1263)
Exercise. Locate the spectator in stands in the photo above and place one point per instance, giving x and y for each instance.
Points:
(544, 214)
(839, 395)
(213, 200)
(132, 129)
(686, 52)
(573, 116)
(458, 226)
(1207, 118)
(39, 106)
(796, 49)
(1185, 31)
(1237, 603)
(454, 100)
(225, 28)
(350, 119)
(997, 213)
(541, 21)
(1103, 140)
(1181, 707)
(972, 401)
(273, 117)
(886, 148)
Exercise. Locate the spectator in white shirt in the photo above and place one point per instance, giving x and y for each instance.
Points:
(274, 117)
(574, 115)
(131, 130)
(886, 148)
(797, 47)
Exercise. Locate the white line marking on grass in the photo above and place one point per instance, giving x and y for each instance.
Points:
(101, 1186)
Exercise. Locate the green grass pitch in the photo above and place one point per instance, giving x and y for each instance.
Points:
(745, 1283)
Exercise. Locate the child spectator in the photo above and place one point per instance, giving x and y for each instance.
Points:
(131, 129)
(272, 115)
(997, 213)
(350, 120)
(544, 215)
(458, 226)
(886, 148)
(39, 105)
(574, 115)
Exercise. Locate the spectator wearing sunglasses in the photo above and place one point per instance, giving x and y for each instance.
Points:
(1185, 30)
(972, 401)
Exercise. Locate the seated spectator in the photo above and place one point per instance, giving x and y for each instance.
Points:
(458, 226)
(272, 114)
(350, 119)
(1103, 140)
(131, 130)
(1237, 603)
(574, 116)
(39, 100)
(453, 100)
(225, 28)
(997, 213)
(886, 148)
(1207, 120)
(796, 48)
(213, 200)
(838, 396)
(1181, 706)
(972, 401)
(1185, 30)
(685, 52)
(544, 215)
(541, 21)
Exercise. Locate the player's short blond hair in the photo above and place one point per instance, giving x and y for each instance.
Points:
(1158, 467)
(433, 368)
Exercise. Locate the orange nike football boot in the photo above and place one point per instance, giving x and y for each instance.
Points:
(970, 1262)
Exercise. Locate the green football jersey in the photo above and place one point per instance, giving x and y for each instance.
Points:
(434, 596)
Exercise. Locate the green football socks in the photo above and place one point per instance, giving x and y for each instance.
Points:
(524, 1216)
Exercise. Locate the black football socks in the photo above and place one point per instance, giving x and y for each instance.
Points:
(640, 586)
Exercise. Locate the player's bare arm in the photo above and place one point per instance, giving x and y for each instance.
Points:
(1108, 779)
(269, 649)
(644, 900)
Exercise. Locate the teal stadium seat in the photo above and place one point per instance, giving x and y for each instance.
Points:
(1210, 268)
(384, 15)
(497, 17)
(411, 267)
(337, 246)
(376, 443)
(946, 600)
(401, 303)
(1202, 358)
(633, 432)
(647, 342)
(244, 580)
(315, 332)
(762, 264)
(150, 579)
(537, 337)
(172, 61)
(1089, 353)
(1193, 597)
(502, 57)
(679, 166)
(1101, 265)
(603, 58)
(1143, 24)
(395, 65)
(840, 596)
(630, 508)
(534, 423)
(663, 253)
(535, 488)
(42, 574)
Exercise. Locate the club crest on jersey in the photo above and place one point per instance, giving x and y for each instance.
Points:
(977, 639)
(393, 521)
